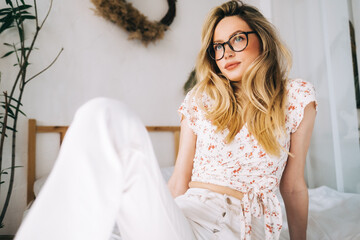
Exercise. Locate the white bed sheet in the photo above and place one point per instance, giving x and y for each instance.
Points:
(332, 215)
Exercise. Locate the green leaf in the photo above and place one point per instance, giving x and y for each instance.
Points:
(8, 2)
(8, 44)
(8, 17)
(7, 54)
(22, 113)
(25, 12)
(2, 182)
(22, 7)
(1, 131)
(6, 25)
(10, 128)
(27, 17)
(3, 171)
(5, 133)
(25, 48)
(11, 104)
(13, 99)
(10, 116)
(10, 112)
(12, 167)
(5, 11)
(14, 109)
(20, 49)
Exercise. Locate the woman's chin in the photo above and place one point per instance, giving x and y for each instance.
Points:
(235, 79)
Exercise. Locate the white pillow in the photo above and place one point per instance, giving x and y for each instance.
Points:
(39, 183)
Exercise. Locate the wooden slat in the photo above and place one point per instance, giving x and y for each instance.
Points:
(31, 160)
(48, 129)
(176, 142)
(62, 135)
(163, 128)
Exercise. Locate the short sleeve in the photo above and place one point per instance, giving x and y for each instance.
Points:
(300, 93)
(190, 110)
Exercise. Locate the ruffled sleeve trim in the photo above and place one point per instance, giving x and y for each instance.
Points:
(190, 111)
(300, 94)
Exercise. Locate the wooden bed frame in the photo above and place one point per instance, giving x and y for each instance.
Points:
(35, 129)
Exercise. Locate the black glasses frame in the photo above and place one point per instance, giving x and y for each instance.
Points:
(211, 47)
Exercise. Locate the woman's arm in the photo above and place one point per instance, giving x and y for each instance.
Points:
(293, 186)
(179, 181)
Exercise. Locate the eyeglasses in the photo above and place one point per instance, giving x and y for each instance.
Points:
(237, 43)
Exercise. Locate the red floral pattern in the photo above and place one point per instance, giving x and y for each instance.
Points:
(243, 164)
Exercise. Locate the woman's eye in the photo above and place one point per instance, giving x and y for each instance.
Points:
(217, 47)
(238, 38)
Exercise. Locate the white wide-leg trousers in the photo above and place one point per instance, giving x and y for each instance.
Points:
(106, 172)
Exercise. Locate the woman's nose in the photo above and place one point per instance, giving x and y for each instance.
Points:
(228, 51)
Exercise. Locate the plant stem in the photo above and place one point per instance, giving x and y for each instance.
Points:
(3, 130)
(25, 62)
(46, 67)
(13, 149)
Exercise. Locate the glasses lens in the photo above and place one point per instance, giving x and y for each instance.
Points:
(238, 42)
(216, 51)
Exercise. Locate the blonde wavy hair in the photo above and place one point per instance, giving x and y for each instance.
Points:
(259, 101)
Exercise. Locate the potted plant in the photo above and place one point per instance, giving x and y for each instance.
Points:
(12, 18)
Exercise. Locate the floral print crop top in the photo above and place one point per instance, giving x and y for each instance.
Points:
(243, 164)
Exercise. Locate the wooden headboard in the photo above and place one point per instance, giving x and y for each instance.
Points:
(35, 129)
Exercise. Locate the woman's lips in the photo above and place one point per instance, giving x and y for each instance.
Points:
(232, 65)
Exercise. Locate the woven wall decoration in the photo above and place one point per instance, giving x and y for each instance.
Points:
(132, 20)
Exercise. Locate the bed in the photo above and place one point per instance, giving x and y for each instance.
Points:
(34, 129)
(332, 215)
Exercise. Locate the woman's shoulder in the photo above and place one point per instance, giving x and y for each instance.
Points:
(299, 90)
(298, 85)
(196, 98)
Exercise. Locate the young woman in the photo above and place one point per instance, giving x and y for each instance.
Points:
(245, 131)
(246, 127)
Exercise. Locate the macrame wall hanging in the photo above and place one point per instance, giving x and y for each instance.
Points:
(132, 20)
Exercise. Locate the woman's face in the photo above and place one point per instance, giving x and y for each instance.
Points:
(234, 64)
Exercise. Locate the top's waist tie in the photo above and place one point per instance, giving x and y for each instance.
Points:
(218, 189)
